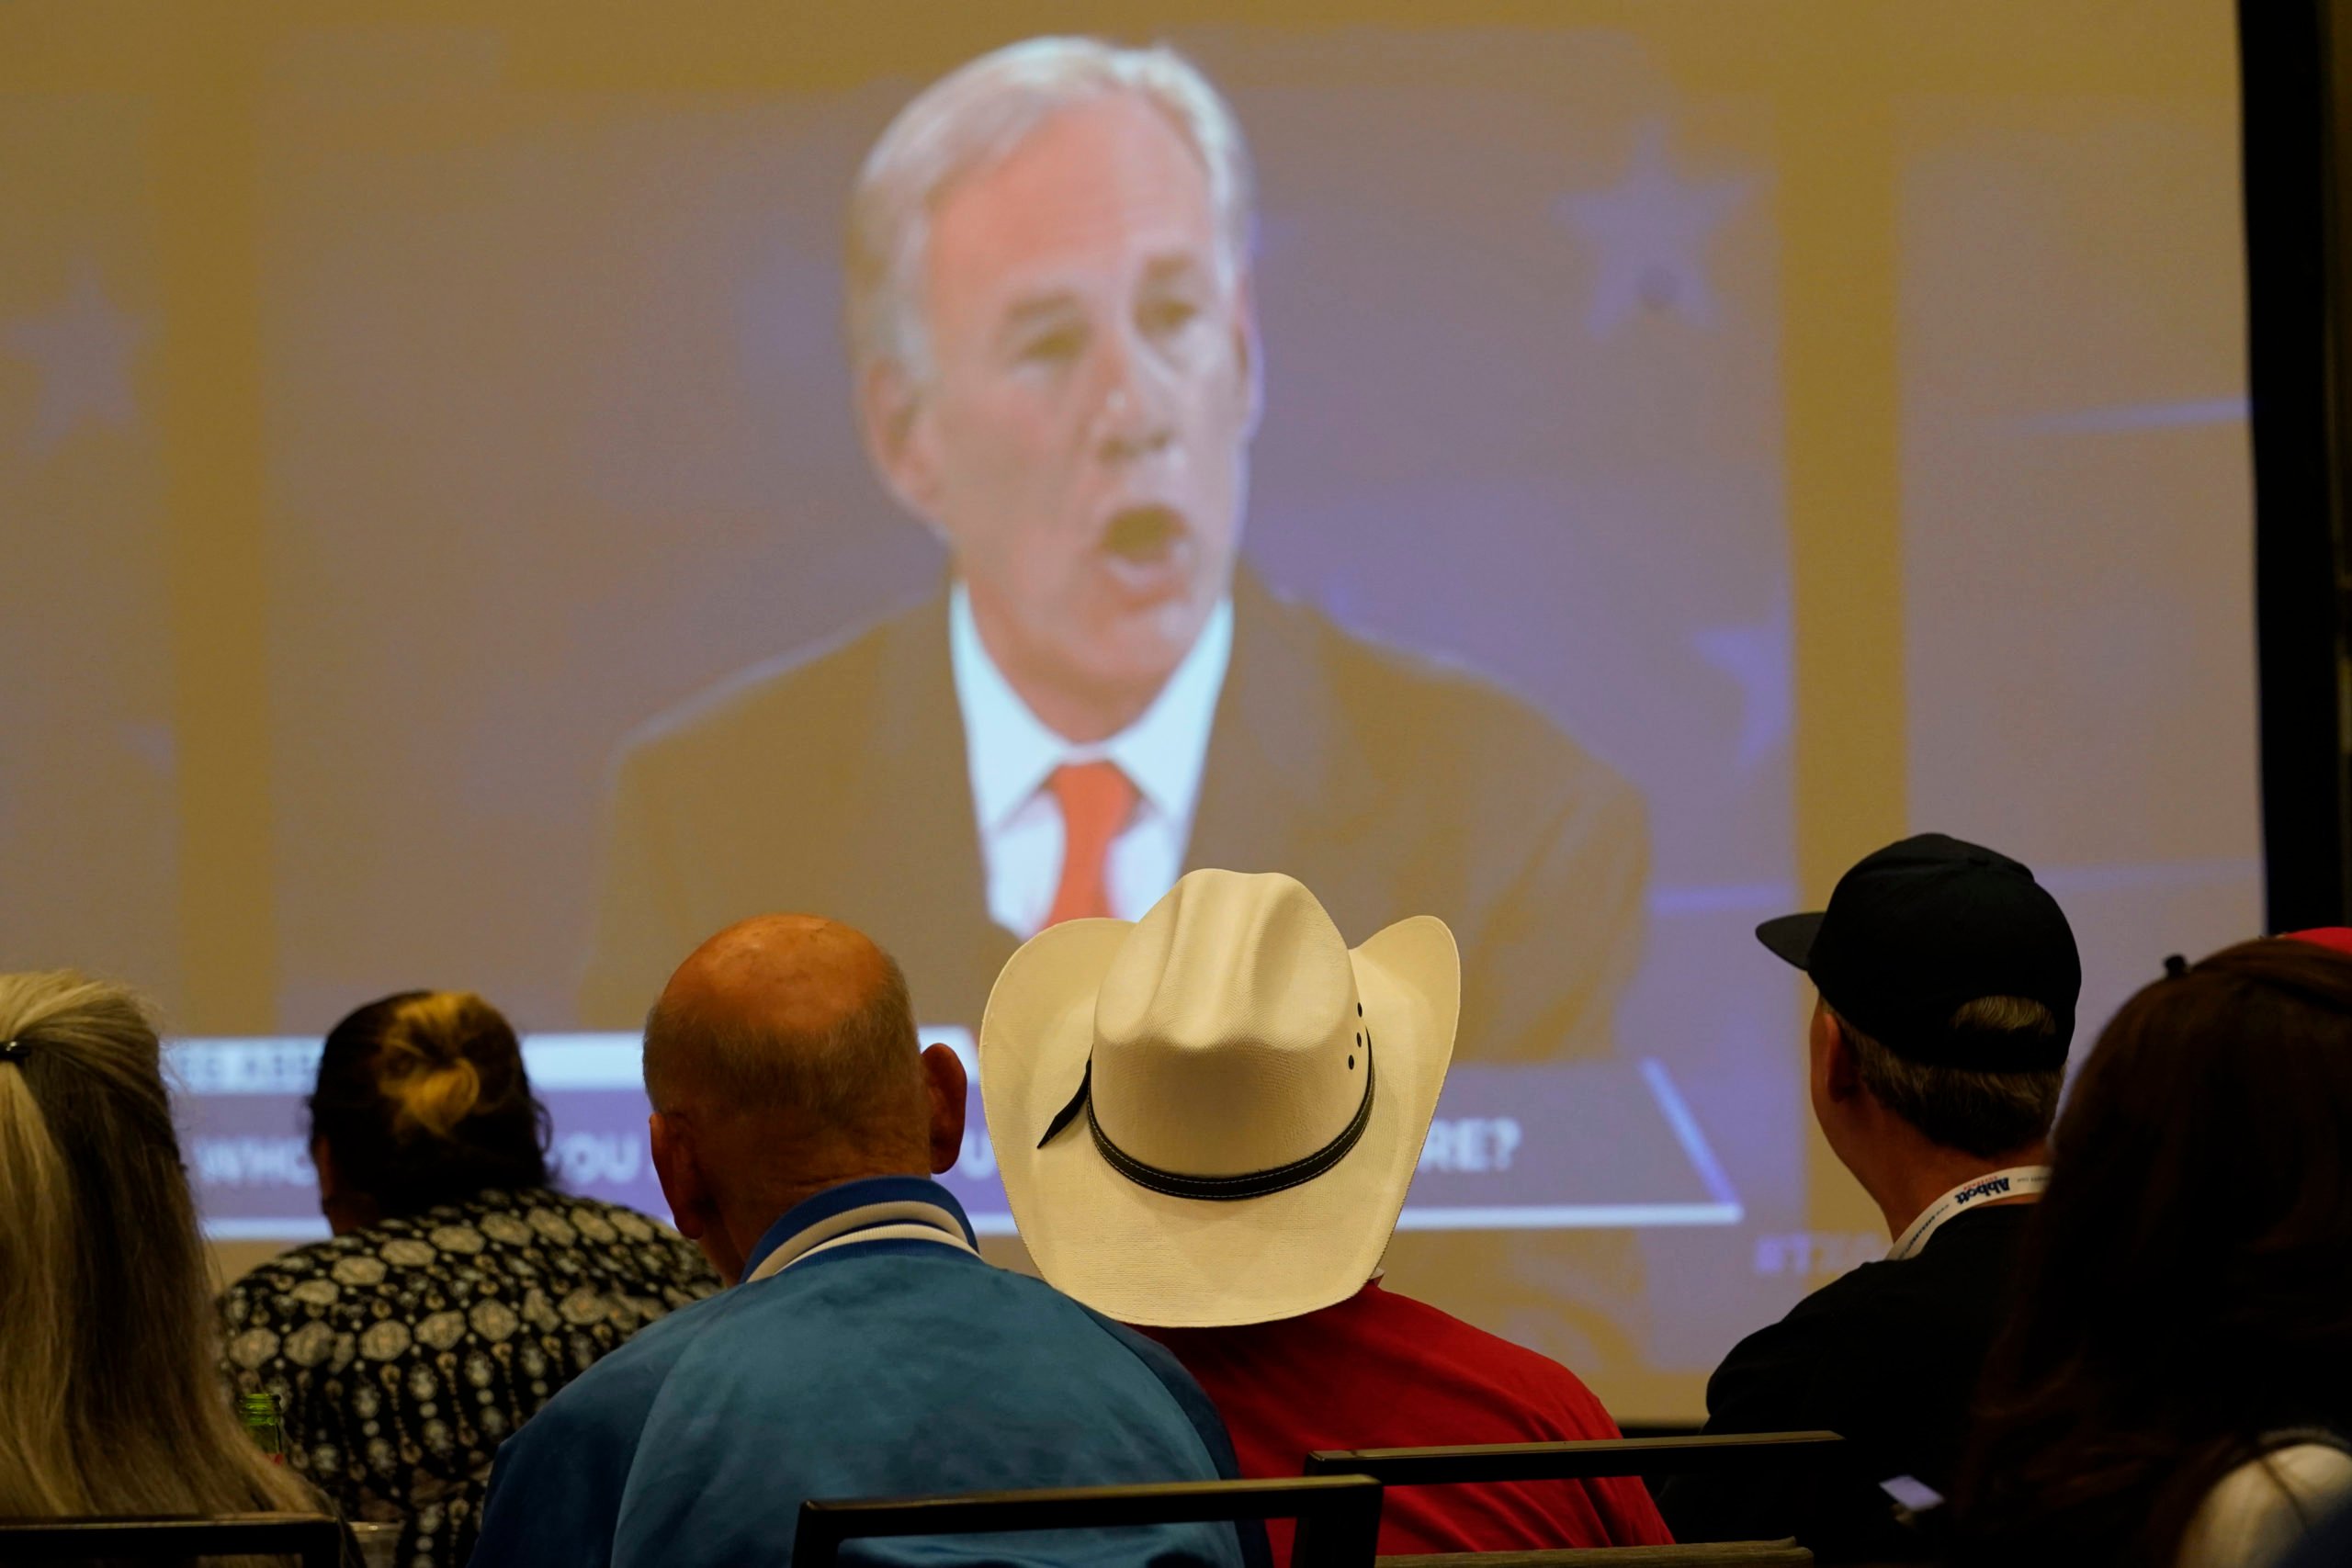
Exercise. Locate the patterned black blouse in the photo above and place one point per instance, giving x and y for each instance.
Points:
(403, 1354)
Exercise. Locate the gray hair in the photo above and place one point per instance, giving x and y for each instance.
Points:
(977, 115)
(863, 1074)
(1984, 1113)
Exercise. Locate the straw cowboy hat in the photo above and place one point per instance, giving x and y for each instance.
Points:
(1210, 1115)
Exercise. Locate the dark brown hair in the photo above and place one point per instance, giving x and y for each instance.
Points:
(2185, 1286)
(423, 1100)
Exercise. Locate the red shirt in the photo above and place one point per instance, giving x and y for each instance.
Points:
(1384, 1371)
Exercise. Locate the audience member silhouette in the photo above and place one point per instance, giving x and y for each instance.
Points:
(2174, 1384)
(867, 1349)
(1947, 980)
(111, 1401)
(460, 1290)
(1195, 1141)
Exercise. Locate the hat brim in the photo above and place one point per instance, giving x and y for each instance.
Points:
(1146, 1258)
(1790, 937)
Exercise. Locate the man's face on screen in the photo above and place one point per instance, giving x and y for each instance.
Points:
(1082, 440)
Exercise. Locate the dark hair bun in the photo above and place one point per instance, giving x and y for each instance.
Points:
(424, 1098)
(426, 1065)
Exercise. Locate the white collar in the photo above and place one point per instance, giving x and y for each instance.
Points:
(900, 1220)
(1011, 751)
(2017, 1181)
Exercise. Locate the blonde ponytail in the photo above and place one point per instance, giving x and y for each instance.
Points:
(36, 1252)
(111, 1400)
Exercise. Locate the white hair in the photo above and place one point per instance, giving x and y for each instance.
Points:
(977, 115)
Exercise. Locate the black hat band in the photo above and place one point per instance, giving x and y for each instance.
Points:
(1213, 1188)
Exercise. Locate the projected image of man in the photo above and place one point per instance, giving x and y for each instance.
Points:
(1058, 370)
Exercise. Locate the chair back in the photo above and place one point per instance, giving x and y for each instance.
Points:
(1339, 1516)
(1740, 1452)
(315, 1538)
(1695, 1554)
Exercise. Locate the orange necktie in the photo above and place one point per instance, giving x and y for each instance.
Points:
(1095, 798)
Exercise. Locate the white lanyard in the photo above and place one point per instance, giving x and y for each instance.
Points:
(2018, 1181)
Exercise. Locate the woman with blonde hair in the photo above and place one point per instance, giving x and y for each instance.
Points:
(110, 1397)
(459, 1291)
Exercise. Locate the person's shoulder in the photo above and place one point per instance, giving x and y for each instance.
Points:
(281, 1273)
(1021, 1304)
(594, 1219)
(1184, 1393)
(821, 689)
(619, 1388)
(1156, 1358)
(1053, 1317)
(1549, 1393)
(1801, 1353)
(557, 1483)
(1950, 1290)
(1852, 1302)
(337, 1273)
(2258, 1511)
(269, 1287)
(1452, 711)
(636, 1246)
(870, 1301)
(601, 1219)
(1835, 1355)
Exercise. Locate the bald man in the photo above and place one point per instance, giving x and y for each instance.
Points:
(866, 1350)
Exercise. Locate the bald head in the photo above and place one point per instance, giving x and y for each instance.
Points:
(798, 1024)
(782, 1060)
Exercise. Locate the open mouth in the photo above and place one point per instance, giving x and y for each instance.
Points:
(1144, 536)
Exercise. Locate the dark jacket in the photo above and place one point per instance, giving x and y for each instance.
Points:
(1887, 1356)
(835, 783)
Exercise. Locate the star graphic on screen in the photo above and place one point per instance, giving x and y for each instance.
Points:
(1651, 231)
(1754, 654)
(82, 348)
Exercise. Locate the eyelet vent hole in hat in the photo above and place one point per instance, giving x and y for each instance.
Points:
(1174, 1086)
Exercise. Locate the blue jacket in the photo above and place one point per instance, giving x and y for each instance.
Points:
(878, 1362)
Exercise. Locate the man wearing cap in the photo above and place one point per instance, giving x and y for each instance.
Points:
(1947, 980)
(1206, 1120)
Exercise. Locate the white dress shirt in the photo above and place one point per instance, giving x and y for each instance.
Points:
(1011, 754)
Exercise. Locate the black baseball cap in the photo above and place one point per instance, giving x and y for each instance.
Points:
(1921, 928)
